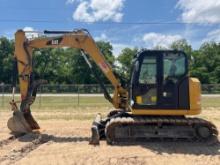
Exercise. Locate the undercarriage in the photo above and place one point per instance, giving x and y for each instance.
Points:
(123, 127)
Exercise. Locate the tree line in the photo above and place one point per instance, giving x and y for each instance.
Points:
(67, 66)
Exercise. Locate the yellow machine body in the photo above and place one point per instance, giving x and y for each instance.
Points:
(195, 103)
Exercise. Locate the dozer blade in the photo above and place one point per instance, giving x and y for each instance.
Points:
(21, 123)
(95, 131)
(95, 136)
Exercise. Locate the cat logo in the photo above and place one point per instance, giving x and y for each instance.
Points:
(55, 41)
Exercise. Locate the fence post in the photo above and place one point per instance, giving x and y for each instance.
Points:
(2, 85)
(40, 97)
(78, 94)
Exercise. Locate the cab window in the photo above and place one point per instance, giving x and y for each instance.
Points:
(148, 82)
(174, 65)
(148, 71)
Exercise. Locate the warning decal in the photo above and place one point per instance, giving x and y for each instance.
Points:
(104, 67)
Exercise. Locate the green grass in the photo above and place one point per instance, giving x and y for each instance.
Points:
(60, 102)
(86, 108)
(70, 103)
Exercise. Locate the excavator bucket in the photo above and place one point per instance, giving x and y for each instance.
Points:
(21, 122)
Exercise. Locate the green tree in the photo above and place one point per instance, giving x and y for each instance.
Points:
(106, 49)
(125, 61)
(183, 45)
(66, 65)
(6, 56)
(53, 65)
(160, 47)
(79, 70)
(207, 62)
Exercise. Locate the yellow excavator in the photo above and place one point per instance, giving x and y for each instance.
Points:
(154, 105)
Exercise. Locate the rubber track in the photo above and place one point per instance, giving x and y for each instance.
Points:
(118, 121)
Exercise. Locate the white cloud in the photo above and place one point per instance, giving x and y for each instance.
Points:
(213, 36)
(72, 1)
(102, 37)
(30, 32)
(118, 47)
(28, 28)
(99, 10)
(152, 39)
(201, 11)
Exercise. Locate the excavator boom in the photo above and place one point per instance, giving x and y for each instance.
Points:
(24, 47)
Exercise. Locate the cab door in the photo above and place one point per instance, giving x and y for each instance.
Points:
(145, 81)
(175, 90)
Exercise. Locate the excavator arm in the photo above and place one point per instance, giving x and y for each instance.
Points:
(80, 39)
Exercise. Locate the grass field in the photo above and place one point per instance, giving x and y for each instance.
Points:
(70, 108)
(62, 103)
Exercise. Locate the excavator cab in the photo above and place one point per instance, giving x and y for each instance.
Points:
(160, 80)
(161, 94)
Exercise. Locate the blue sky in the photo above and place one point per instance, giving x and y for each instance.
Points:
(97, 16)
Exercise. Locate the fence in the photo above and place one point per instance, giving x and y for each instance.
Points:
(60, 89)
(211, 88)
(62, 96)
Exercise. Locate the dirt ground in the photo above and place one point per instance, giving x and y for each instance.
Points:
(63, 141)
